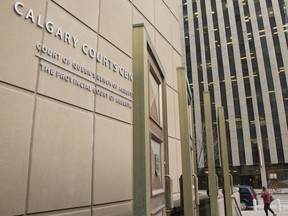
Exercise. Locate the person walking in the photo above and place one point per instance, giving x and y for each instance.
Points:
(266, 199)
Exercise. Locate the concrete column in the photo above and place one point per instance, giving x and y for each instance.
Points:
(224, 162)
(262, 166)
(185, 146)
(141, 150)
(212, 178)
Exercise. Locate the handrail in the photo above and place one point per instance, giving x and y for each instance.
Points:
(195, 178)
(237, 206)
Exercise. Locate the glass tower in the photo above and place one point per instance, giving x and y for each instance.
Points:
(237, 50)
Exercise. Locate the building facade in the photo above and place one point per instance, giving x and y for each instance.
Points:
(237, 50)
(66, 117)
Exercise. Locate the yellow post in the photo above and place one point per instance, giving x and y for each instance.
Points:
(224, 162)
(185, 146)
(141, 151)
(212, 178)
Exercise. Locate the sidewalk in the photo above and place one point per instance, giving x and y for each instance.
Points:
(260, 210)
(282, 210)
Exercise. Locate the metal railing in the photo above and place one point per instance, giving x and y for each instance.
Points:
(235, 204)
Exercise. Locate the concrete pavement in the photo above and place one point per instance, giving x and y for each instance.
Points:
(280, 210)
(283, 211)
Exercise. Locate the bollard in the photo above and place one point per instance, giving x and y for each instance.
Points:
(278, 205)
(254, 205)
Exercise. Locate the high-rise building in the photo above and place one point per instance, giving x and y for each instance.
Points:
(237, 50)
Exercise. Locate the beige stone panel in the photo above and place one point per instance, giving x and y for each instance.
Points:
(63, 24)
(170, 78)
(118, 209)
(162, 19)
(179, 158)
(62, 86)
(167, 2)
(177, 117)
(113, 161)
(147, 8)
(139, 18)
(176, 63)
(71, 61)
(15, 130)
(118, 107)
(174, 6)
(75, 212)
(173, 164)
(176, 41)
(105, 105)
(118, 76)
(171, 112)
(87, 11)
(117, 30)
(164, 51)
(61, 169)
(18, 64)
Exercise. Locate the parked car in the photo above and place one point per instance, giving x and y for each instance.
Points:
(247, 194)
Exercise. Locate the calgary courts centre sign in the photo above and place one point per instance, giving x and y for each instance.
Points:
(78, 75)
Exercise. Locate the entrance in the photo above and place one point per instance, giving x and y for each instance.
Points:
(149, 128)
(156, 139)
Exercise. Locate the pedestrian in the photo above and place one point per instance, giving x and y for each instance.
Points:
(266, 199)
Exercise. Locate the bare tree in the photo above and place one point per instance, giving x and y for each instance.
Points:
(201, 146)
